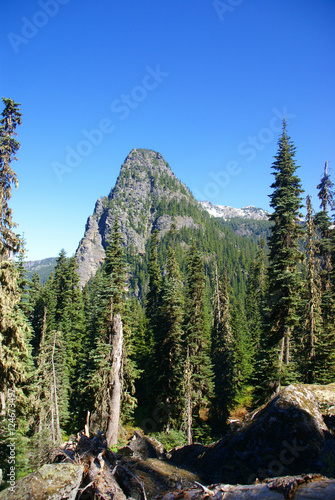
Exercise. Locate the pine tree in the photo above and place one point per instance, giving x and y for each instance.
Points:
(62, 302)
(74, 330)
(36, 308)
(322, 219)
(61, 285)
(285, 256)
(222, 355)
(199, 380)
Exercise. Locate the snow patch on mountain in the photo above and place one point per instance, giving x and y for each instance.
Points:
(226, 212)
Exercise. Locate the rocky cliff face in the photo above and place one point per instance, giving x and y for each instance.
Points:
(147, 195)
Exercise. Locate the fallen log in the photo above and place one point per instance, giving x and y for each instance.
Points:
(304, 487)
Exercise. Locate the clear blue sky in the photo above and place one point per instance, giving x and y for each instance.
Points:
(204, 83)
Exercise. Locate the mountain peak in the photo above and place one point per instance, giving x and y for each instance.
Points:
(147, 195)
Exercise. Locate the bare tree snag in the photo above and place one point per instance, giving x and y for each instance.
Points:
(188, 398)
(115, 388)
(54, 390)
(87, 425)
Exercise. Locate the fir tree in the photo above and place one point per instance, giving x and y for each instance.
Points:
(222, 355)
(199, 380)
(256, 296)
(323, 223)
(244, 354)
(74, 329)
(310, 331)
(51, 405)
(285, 256)
(154, 290)
(15, 353)
(148, 389)
(169, 359)
(11, 118)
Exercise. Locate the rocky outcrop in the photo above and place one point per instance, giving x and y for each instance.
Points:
(143, 198)
(52, 481)
(90, 253)
(288, 436)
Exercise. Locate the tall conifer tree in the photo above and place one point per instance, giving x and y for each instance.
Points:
(222, 354)
(113, 371)
(14, 329)
(199, 381)
(309, 331)
(169, 358)
(148, 386)
(285, 256)
(256, 296)
(15, 353)
(244, 354)
(324, 252)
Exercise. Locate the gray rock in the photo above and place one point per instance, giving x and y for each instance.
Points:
(288, 436)
(52, 481)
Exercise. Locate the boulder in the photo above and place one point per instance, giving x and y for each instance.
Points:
(52, 481)
(288, 436)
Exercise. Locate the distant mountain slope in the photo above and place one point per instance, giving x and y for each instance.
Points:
(42, 267)
(226, 212)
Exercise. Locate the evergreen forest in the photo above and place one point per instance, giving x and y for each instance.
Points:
(174, 342)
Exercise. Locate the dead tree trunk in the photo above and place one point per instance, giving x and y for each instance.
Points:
(2, 403)
(54, 390)
(115, 388)
(188, 398)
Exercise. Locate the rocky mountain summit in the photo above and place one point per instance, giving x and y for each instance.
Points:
(147, 196)
(226, 212)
